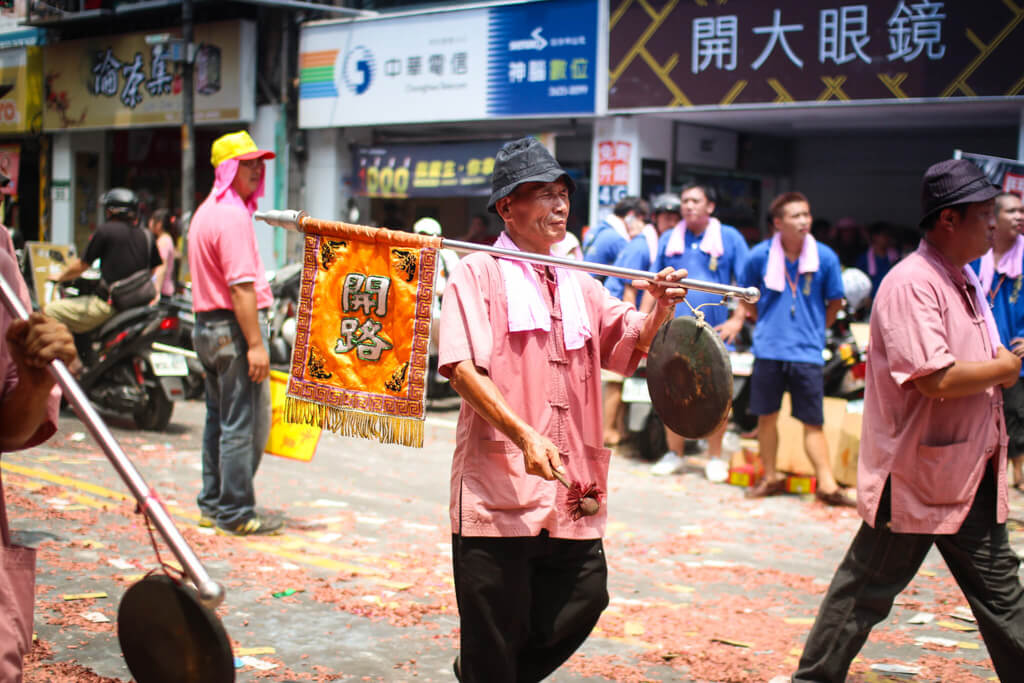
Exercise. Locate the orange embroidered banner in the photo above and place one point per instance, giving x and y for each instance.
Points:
(360, 360)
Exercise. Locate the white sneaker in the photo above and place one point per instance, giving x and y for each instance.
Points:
(670, 463)
(716, 470)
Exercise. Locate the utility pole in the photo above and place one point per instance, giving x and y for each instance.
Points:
(188, 124)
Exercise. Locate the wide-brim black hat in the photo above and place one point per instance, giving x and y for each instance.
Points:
(524, 160)
(952, 182)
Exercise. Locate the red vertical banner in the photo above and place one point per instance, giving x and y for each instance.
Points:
(612, 171)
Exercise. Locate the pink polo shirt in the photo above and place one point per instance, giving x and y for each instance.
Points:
(556, 391)
(936, 450)
(222, 252)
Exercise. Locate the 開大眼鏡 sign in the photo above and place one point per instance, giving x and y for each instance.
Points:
(533, 58)
(746, 52)
(444, 170)
(121, 81)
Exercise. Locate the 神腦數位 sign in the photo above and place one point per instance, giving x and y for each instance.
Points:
(508, 60)
(121, 81)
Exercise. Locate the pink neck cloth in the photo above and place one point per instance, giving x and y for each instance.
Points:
(619, 226)
(891, 255)
(650, 234)
(1009, 264)
(710, 243)
(224, 176)
(775, 271)
(981, 303)
(526, 309)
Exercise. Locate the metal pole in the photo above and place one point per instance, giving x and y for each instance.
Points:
(188, 126)
(290, 219)
(211, 593)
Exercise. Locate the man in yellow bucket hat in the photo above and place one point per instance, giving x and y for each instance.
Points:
(230, 297)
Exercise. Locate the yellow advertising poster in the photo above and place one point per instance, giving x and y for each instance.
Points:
(294, 441)
(135, 79)
(21, 89)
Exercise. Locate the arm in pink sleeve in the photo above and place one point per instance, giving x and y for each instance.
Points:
(465, 332)
(910, 321)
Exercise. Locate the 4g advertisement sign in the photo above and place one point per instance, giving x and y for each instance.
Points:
(402, 171)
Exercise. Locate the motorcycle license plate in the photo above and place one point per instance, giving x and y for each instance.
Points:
(634, 390)
(168, 364)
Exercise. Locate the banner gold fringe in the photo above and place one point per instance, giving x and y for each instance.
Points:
(403, 431)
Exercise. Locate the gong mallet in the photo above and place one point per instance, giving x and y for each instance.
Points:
(211, 593)
(298, 221)
(581, 501)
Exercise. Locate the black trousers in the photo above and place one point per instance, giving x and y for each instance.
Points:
(525, 604)
(880, 564)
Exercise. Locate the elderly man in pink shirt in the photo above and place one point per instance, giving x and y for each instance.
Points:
(29, 401)
(230, 296)
(524, 345)
(932, 467)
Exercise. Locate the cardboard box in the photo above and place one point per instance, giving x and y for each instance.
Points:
(844, 457)
(796, 483)
(791, 457)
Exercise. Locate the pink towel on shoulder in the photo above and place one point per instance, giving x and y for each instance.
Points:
(526, 309)
(775, 271)
(1009, 264)
(710, 243)
(892, 256)
(981, 304)
(651, 235)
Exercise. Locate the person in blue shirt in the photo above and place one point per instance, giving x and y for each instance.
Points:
(612, 235)
(642, 250)
(881, 255)
(603, 246)
(801, 292)
(1001, 272)
(712, 252)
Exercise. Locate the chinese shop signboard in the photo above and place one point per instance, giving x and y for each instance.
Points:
(121, 81)
(534, 58)
(21, 90)
(447, 170)
(751, 52)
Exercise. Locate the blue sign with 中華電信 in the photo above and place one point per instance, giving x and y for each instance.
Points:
(542, 58)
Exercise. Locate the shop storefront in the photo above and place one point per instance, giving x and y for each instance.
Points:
(402, 116)
(21, 144)
(113, 108)
(846, 103)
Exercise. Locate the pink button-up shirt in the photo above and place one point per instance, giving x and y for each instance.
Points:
(936, 450)
(222, 252)
(8, 370)
(556, 391)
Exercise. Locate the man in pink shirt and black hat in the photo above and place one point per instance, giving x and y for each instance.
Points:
(524, 345)
(932, 468)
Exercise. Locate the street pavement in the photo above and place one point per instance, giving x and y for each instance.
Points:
(705, 585)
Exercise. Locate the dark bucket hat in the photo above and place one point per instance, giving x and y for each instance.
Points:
(524, 160)
(952, 182)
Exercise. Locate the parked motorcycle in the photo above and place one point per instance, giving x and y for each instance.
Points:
(284, 284)
(180, 342)
(124, 369)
